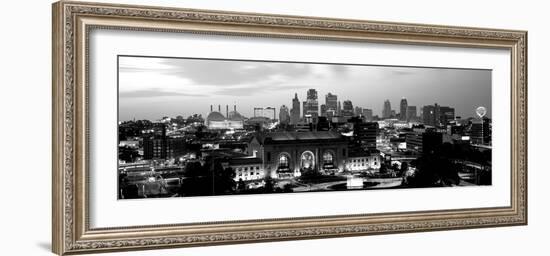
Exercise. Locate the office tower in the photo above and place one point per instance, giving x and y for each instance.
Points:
(324, 110)
(364, 133)
(480, 132)
(446, 114)
(295, 111)
(284, 116)
(359, 111)
(331, 101)
(411, 113)
(386, 112)
(348, 109)
(311, 105)
(436, 115)
(403, 109)
(367, 113)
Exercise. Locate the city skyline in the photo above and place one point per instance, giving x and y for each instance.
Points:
(150, 88)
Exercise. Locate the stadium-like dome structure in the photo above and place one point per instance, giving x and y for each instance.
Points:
(215, 117)
(216, 120)
(235, 116)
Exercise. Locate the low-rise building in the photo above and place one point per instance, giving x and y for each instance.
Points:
(361, 161)
(288, 154)
(247, 168)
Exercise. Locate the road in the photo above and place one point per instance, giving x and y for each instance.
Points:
(318, 186)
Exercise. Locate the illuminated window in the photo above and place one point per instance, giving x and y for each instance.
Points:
(283, 162)
(328, 158)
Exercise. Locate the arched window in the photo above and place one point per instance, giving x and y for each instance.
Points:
(328, 158)
(284, 162)
(307, 161)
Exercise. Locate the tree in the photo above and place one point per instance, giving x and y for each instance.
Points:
(404, 168)
(434, 170)
(127, 153)
(241, 186)
(287, 188)
(224, 182)
(130, 191)
(395, 167)
(383, 168)
(196, 181)
(269, 185)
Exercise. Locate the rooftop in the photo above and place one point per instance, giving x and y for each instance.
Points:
(298, 136)
(245, 160)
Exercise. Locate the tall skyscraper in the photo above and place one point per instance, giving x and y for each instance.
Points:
(365, 133)
(323, 110)
(295, 111)
(339, 109)
(331, 105)
(368, 114)
(403, 109)
(430, 115)
(436, 115)
(411, 113)
(358, 111)
(386, 112)
(284, 116)
(311, 105)
(348, 109)
(446, 114)
(480, 131)
(331, 101)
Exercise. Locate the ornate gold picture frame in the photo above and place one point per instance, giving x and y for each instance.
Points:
(72, 23)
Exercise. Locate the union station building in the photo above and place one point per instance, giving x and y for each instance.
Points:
(288, 154)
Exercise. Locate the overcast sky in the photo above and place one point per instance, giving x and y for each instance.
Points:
(150, 88)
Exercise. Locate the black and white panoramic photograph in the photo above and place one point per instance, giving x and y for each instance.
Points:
(225, 127)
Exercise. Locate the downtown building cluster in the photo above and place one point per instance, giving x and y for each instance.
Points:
(306, 146)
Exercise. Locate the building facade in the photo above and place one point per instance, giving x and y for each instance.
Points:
(386, 111)
(247, 168)
(367, 113)
(403, 109)
(163, 148)
(436, 115)
(288, 154)
(347, 110)
(284, 116)
(480, 131)
(295, 111)
(424, 142)
(311, 105)
(363, 161)
(365, 134)
(217, 121)
(411, 113)
(331, 102)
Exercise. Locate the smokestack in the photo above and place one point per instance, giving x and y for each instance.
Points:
(219, 108)
(226, 111)
(211, 108)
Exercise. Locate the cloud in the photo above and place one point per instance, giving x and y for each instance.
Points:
(339, 69)
(232, 72)
(124, 69)
(155, 93)
(256, 90)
